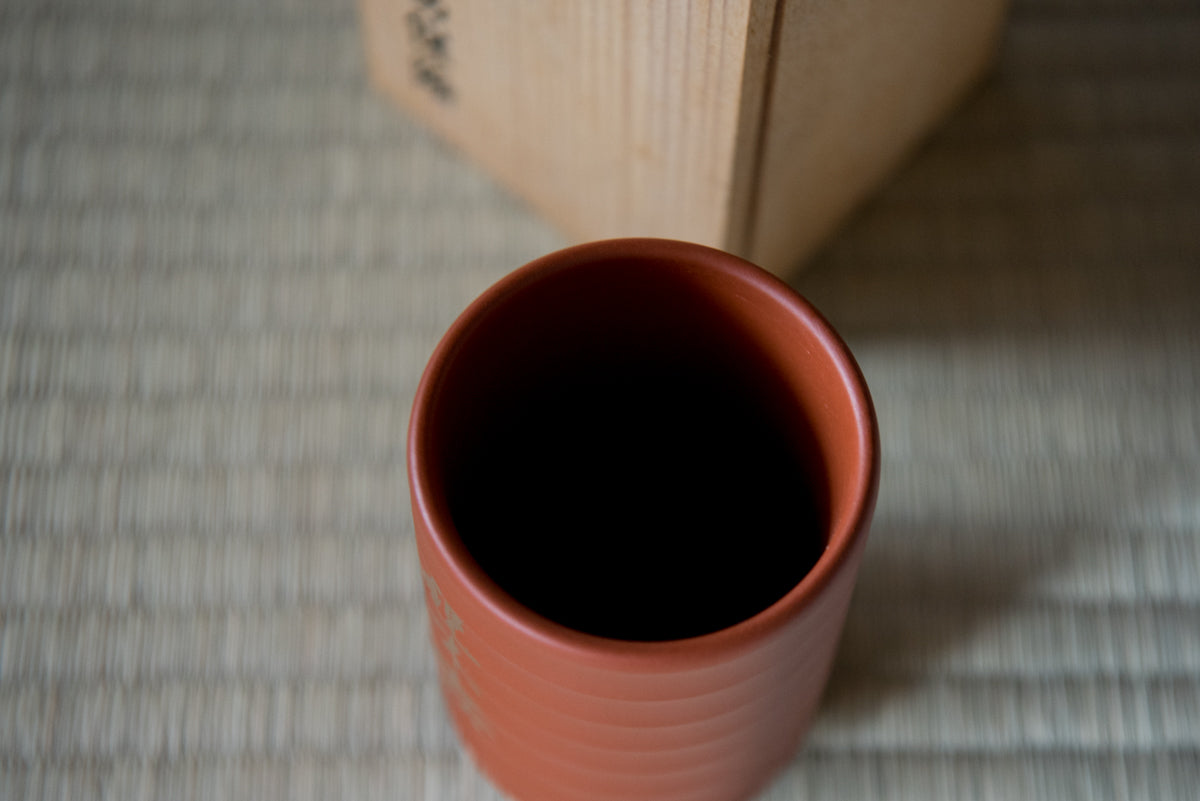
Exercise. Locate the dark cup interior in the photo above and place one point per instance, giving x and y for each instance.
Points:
(622, 450)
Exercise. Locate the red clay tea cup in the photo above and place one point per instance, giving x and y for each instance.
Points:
(642, 473)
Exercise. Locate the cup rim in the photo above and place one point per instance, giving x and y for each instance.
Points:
(746, 634)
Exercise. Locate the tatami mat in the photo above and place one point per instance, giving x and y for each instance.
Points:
(224, 260)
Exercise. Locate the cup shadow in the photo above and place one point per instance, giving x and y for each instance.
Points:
(1014, 240)
(917, 599)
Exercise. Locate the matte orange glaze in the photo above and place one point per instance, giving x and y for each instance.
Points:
(554, 714)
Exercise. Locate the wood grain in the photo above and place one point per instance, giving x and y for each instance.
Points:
(612, 118)
(750, 125)
(856, 85)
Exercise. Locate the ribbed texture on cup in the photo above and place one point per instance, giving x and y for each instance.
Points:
(550, 724)
(553, 714)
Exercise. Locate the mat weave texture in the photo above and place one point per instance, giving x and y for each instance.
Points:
(224, 260)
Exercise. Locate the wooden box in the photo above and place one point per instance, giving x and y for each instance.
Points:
(750, 125)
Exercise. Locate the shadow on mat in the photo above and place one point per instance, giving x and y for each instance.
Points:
(1016, 232)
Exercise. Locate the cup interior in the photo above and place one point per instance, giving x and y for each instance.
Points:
(643, 448)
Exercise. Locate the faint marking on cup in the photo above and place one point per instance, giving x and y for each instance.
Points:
(460, 687)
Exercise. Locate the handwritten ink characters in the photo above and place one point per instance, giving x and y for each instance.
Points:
(429, 32)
